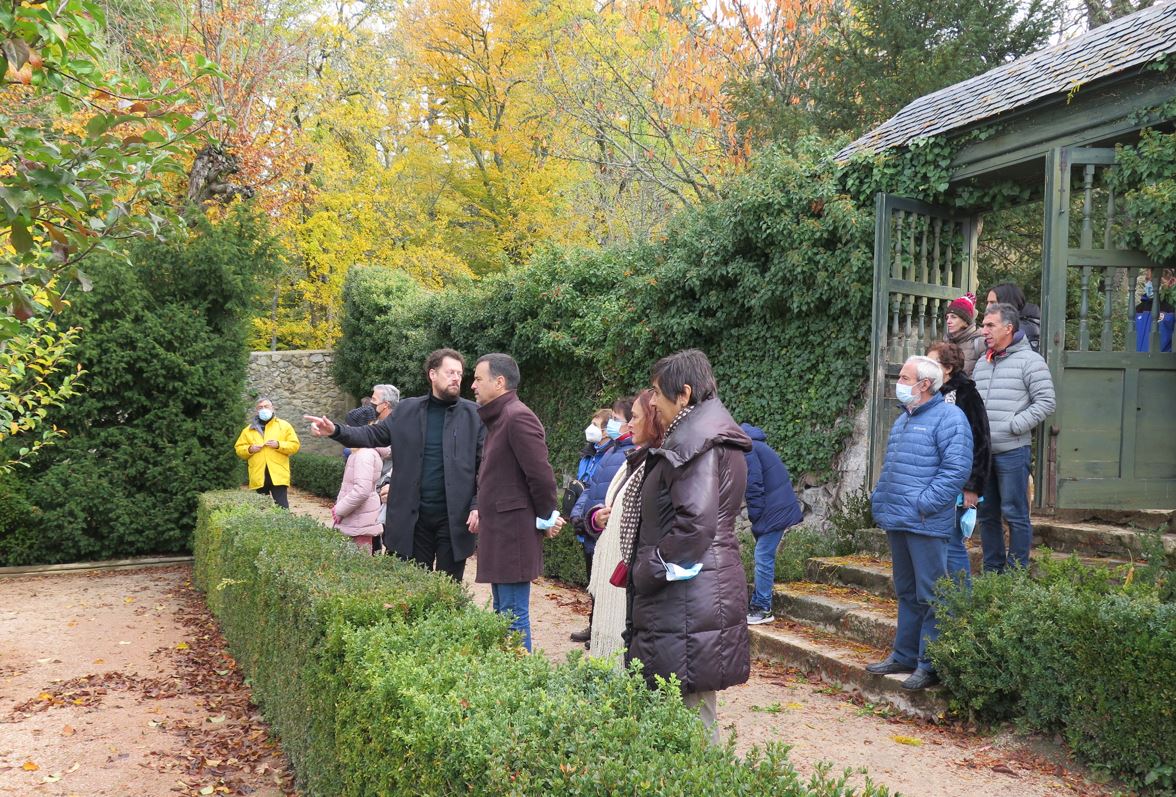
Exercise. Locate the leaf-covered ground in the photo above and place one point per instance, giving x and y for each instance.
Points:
(118, 683)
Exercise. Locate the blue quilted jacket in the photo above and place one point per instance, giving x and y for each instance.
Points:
(596, 490)
(928, 459)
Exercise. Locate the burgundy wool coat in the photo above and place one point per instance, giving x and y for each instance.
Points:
(515, 486)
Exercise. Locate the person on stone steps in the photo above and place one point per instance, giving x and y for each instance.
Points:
(960, 390)
(928, 459)
(772, 509)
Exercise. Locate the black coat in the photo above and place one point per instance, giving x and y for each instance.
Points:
(692, 493)
(461, 449)
(967, 398)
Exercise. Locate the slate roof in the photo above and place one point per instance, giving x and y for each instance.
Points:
(1108, 50)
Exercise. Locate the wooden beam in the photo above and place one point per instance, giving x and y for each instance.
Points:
(1094, 116)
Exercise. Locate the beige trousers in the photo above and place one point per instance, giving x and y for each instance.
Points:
(708, 710)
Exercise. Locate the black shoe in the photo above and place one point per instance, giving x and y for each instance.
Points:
(582, 636)
(920, 680)
(888, 667)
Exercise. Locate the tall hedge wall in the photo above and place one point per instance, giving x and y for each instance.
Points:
(163, 345)
(381, 678)
(773, 281)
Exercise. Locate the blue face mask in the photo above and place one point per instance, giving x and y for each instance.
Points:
(906, 394)
(265, 415)
(613, 428)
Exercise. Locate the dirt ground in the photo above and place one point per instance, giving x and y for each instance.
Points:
(118, 683)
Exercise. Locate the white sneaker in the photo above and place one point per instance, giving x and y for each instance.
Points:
(759, 616)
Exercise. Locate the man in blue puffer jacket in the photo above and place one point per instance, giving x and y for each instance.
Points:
(772, 509)
(928, 460)
(596, 489)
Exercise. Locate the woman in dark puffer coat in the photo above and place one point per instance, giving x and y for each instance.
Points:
(683, 620)
(959, 389)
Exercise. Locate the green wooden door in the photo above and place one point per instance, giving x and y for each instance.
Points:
(1112, 440)
(924, 257)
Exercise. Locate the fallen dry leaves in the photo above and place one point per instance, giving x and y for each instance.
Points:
(228, 750)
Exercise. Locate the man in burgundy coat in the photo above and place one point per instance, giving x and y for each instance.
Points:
(517, 488)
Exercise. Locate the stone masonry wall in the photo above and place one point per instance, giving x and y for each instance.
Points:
(298, 383)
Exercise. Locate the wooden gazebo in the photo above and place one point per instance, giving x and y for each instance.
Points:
(1050, 120)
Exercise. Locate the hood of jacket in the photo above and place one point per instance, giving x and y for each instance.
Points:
(708, 425)
(754, 432)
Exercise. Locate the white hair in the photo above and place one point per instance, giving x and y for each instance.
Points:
(389, 394)
(926, 368)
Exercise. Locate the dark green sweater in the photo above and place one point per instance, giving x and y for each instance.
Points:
(433, 459)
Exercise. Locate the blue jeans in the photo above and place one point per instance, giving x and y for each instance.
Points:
(958, 565)
(1006, 493)
(515, 600)
(918, 561)
(765, 569)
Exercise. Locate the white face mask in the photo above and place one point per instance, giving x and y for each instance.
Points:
(593, 434)
(265, 414)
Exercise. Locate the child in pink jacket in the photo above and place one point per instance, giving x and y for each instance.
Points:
(357, 508)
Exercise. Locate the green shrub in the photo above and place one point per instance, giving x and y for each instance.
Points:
(163, 345)
(20, 525)
(1086, 653)
(797, 546)
(382, 678)
(563, 559)
(321, 474)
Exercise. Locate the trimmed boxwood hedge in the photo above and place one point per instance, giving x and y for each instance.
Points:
(320, 474)
(1077, 651)
(382, 678)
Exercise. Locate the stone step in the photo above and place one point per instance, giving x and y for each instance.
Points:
(843, 663)
(865, 572)
(847, 612)
(1098, 539)
(1162, 519)
(872, 573)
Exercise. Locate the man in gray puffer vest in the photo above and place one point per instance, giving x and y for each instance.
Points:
(1018, 393)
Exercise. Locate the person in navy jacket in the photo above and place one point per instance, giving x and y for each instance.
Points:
(620, 438)
(772, 509)
(928, 461)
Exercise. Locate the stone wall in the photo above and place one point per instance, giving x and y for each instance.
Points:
(822, 499)
(299, 383)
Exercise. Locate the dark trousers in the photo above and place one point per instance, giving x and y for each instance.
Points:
(588, 569)
(274, 491)
(431, 543)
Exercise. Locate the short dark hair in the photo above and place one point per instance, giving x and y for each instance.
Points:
(1008, 314)
(687, 367)
(433, 361)
(502, 365)
(950, 355)
(1009, 293)
(624, 406)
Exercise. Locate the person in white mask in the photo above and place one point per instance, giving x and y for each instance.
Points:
(267, 444)
(928, 461)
